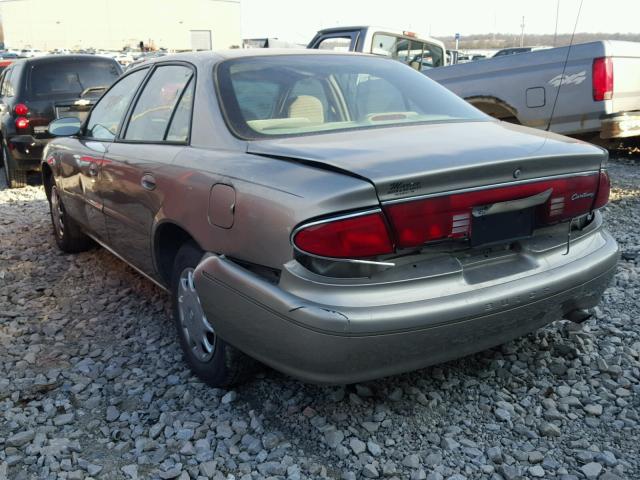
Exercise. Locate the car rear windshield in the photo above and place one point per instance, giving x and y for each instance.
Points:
(301, 94)
(70, 78)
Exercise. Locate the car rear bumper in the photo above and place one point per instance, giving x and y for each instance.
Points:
(347, 331)
(622, 125)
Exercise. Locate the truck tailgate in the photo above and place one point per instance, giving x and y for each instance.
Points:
(626, 76)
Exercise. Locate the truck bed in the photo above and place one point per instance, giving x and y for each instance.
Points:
(522, 88)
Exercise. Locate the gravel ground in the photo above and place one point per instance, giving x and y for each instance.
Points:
(92, 385)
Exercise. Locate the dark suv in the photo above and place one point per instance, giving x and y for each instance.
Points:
(35, 91)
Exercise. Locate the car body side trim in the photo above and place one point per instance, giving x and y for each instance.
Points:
(116, 254)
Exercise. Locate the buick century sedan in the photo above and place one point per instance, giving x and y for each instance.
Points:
(338, 217)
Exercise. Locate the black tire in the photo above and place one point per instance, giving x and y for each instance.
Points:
(227, 366)
(16, 178)
(69, 237)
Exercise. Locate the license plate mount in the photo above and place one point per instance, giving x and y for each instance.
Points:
(502, 227)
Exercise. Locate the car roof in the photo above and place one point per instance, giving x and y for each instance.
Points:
(57, 58)
(221, 55)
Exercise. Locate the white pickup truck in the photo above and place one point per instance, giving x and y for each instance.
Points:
(596, 95)
(418, 51)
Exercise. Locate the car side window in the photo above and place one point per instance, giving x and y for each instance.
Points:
(6, 89)
(161, 95)
(180, 126)
(2, 77)
(338, 44)
(108, 114)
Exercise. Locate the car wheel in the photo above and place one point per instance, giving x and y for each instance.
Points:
(214, 361)
(69, 237)
(16, 178)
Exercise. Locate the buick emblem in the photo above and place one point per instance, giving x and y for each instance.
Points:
(516, 173)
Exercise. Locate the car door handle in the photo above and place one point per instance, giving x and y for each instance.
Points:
(148, 182)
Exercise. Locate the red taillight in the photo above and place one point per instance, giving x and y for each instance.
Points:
(21, 109)
(604, 187)
(415, 222)
(602, 76)
(22, 122)
(352, 237)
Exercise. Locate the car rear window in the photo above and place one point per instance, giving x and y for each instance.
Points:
(288, 95)
(70, 78)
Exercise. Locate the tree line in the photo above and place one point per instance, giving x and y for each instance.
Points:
(504, 40)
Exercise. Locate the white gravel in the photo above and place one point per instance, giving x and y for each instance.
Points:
(92, 385)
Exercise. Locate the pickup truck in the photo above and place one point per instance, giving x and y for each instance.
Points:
(420, 52)
(596, 96)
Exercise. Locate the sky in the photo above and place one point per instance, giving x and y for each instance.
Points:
(298, 20)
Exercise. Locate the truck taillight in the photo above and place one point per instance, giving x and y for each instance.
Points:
(22, 123)
(356, 236)
(602, 78)
(21, 109)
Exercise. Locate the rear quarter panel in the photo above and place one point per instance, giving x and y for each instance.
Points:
(271, 197)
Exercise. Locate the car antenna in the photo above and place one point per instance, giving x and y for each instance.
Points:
(564, 68)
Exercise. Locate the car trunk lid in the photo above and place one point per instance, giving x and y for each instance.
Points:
(408, 161)
(485, 182)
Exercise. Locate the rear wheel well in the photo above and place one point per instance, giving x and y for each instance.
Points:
(47, 179)
(169, 237)
(495, 108)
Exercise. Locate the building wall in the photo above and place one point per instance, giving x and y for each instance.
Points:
(113, 24)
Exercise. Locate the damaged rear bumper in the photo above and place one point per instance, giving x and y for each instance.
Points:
(623, 125)
(350, 330)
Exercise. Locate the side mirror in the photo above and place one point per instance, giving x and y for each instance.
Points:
(65, 127)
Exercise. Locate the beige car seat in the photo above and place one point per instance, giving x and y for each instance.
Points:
(307, 106)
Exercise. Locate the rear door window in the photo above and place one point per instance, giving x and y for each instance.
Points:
(70, 78)
(339, 44)
(7, 88)
(338, 41)
(154, 108)
(417, 54)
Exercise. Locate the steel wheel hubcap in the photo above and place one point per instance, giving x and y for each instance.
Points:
(56, 213)
(197, 331)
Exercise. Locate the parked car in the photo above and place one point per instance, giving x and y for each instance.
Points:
(4, 64)
(9, 56)
(32, 53)
(596, 97)
(35, 91)
(124, 59)
(339, 217)
(419, 52)
(144, 58)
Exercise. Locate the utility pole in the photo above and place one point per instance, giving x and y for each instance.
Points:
(555, 33)
(522, 32)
